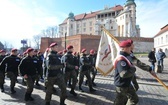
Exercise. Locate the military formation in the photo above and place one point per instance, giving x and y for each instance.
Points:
(67, 69)
(63, 68)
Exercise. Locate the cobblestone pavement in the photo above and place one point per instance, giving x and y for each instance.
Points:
(150, 92)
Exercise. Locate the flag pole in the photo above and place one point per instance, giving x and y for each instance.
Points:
(157, 78)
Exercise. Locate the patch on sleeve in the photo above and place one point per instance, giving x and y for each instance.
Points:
(123, 63)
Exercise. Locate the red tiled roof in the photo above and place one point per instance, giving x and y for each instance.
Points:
(163, 29)
(92, 14)
(117, 7)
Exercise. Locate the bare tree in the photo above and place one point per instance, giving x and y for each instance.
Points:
(37, 39)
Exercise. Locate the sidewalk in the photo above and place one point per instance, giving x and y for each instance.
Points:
(150, 92)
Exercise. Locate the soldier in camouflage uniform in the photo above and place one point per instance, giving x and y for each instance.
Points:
(55, 75)
(70, 69)
(92, 70)
(11, 63)
(124, 73)
(29, 68)
(84, 71)
(2, 71)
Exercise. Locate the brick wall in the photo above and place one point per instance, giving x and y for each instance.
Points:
(92, 42)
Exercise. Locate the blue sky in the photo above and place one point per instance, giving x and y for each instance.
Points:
(21, 19)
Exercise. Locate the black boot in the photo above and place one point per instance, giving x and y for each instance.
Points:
(62, 102)
(73, 92)
(30, 97)
(37, 84)
(12, 90)
(26, 98)
(86, 82)
(92, 90)
(93, 84)
(47, 103)
(81, 89)
(2, 88)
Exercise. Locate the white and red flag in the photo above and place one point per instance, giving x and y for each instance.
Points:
(107, 52)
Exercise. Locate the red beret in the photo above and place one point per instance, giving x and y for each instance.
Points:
(24, 53)
(83, 50)
(2, 51)
(131, 41)
(47, 49)
(64, 50)
(13, 50)
(35, 50)
(91, 51)
(125, 44)
(53, 44)
(29, 50)
(69, 47)
(60, 52)
(75, 53)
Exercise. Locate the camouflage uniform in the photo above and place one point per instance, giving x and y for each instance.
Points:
(2, 74)
(70, 71)
(29, 66)
(55, 76)
(84, 70)
(11, 64)
(124, 73)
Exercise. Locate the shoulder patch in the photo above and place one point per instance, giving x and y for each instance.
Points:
(123, 63)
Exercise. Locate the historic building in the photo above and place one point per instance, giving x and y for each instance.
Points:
(161, 39)
(118, 20)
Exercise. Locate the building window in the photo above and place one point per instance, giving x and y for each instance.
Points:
(110, 21)
(84, 24)
(65, 27)
(161, 40)
(109, 14)
(102, 16)
(90, 28)
(126, 15)
(90, 23)
(166, 38)
(111, 27)
(77, 31)
(101, 20)
(98, 16)
(84, 29)
(77, 25)
(105, 15)
(71, 26)
(113, 14)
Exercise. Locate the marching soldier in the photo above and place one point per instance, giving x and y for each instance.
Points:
(93, 71)
(84, 70)
(70, 69)
(29, 68)
(124, 72)
(2, 70)
(55, 75)
(11, 63)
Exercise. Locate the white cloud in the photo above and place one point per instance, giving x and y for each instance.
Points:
(19, 21)
(151, 16)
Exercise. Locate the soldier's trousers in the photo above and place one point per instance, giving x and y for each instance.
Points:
(2, 78)
(81, 77)
(93, 74)
(71, 74)
(30, 83)
(122, 93)
(59, 80)
(13, 78)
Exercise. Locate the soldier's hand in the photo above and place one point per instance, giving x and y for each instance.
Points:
(25, 76)
(153, 73)
(76, 67)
